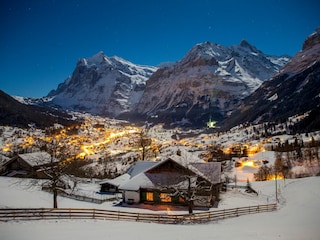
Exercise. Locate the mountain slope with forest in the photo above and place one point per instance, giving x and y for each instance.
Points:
(15, 113)
(293, 91)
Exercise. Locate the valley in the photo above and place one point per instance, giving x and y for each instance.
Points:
(106, 147)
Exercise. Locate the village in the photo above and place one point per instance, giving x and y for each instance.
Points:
(153, 165)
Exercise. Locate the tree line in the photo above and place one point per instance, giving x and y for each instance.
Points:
(289, 155)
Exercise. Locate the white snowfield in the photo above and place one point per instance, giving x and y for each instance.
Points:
(298, 217)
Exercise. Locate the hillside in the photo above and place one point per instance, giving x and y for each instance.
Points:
(14, 113)
(293, 91)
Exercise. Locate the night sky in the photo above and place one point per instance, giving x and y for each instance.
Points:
(41, 41)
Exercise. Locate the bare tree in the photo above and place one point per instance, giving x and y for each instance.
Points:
(144, 142)
(264, 173)
(56, 171)
(194, 192)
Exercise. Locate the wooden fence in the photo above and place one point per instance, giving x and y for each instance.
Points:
(82, 213)
(102, 199)
(88, 199)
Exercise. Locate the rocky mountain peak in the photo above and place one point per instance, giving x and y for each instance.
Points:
(210, 79)
(294, 91)
(103, 85)
(308, 56)
(312, 40)
(206, 50)
(98, 58)
(247, 45)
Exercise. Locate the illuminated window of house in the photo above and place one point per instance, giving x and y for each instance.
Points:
(165, 197)
(149, 196)
(182, 200)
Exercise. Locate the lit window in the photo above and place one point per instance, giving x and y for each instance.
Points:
(165, 197)
(149, 196)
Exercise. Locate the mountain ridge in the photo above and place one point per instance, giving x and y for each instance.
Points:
(209, 82)
(15, 113)
(210, 79)
(293, 91)
(102, 85)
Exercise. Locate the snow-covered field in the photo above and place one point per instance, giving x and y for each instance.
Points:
(298, 216)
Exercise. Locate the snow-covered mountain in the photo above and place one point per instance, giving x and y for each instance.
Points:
(293, 91)
(103, 85)
(209, 80)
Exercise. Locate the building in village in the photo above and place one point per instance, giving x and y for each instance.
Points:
(169, 182)
(27, 165)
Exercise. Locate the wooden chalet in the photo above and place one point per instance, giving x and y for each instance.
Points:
(27, 165)
(171, 182)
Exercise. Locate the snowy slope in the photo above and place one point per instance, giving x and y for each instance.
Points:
(297, 218)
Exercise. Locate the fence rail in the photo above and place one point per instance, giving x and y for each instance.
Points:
(88, 213)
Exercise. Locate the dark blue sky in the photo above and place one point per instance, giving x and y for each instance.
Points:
(41, 40)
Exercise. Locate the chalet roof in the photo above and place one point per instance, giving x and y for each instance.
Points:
(3, 160)
(140, 166)
(136, 182)
(210, 171)
(36, 158)
(134, 170)
(116, 181)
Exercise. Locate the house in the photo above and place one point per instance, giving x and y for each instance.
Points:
(173, 182)
(27, 165)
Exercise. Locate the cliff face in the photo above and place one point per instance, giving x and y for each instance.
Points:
(103, 85)
(210, 80)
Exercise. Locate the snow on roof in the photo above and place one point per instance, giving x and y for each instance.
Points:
(210, 171)
(140, 166)
(37, 158)
(136, 182)
(117, 181)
